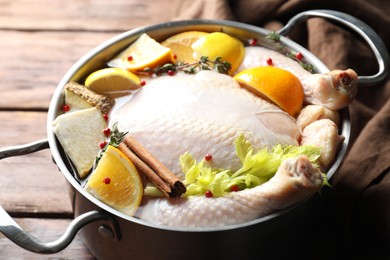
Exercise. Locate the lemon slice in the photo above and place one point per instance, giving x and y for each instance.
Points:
(180, 44)
(217, 44)
(113, 82)
(274, 84)
(145, 52)
(116, 182)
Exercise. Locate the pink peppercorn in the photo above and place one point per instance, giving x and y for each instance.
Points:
(208, 194)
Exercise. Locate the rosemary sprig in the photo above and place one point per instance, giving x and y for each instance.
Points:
(116, 137)
(275, 38)
(204, 63)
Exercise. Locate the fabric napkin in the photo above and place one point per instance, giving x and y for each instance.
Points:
(358, 223)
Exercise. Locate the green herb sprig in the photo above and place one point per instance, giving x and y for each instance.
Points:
(204, 63)
(116, 137)
(275, 38)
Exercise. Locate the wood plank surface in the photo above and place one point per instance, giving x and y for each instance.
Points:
(46, 230)
(19, 127)
(83, 15)
(33, 63)
(30, 184)
(38, 46)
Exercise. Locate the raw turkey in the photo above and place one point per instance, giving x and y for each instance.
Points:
(202, 114)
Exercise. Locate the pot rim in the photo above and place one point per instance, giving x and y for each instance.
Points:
(124, 39)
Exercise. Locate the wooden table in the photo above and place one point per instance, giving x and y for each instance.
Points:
(39, 41)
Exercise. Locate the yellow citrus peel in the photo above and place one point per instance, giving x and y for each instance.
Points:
(113, 82)
(180, 44)
(217, 44)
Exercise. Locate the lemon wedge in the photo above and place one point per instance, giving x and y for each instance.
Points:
(116, 182)
(113, 82)
(144, 53)
(217, 44)
(274, 84)
(180, 44)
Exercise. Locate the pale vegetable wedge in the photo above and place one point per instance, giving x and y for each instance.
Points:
(78, 97)
(75, 102)
(79, 134)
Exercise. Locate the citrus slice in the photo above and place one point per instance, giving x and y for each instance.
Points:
(144, 53)
(113, 82)
(217, 44)
(274, 84)
(180, 44)
(116, 182)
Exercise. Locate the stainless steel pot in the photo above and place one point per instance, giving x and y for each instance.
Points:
(113, 235)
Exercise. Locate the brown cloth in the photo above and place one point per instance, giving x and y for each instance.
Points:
(358, 225)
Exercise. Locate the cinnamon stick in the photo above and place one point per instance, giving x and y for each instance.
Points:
(155, 164)
(145, 169)
(154, 170)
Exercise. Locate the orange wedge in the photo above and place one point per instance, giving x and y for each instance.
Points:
(116, 182)
(274, 84)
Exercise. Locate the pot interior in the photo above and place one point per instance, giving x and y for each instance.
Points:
(99, 56)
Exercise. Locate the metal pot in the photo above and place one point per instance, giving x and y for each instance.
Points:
(113, 235)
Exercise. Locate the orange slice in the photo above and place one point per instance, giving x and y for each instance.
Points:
(116, 182)
(274, 84)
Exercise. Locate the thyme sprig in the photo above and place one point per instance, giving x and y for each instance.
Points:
(204, 63)
(116, 137)
(275, 38)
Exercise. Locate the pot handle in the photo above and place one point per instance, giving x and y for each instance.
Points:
(365, 31)
(25, 240)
